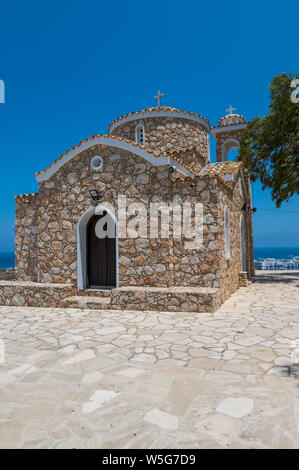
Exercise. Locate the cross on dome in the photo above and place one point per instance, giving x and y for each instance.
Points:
(158, 97)
(230, 109)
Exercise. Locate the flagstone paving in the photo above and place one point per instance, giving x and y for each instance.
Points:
(76, 378)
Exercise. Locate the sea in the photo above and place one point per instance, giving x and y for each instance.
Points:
(276, 252)
(7, 259)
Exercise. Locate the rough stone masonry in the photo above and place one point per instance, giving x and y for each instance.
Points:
(171, 163)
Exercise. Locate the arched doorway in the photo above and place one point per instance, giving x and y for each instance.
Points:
(101, 254)
(97, 258)
(243, 244)
(227, 146)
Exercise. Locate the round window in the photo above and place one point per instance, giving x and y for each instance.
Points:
(96, 162)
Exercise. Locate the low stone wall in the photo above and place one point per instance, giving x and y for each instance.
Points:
(34, 294)
(243, 279)
(176, 299)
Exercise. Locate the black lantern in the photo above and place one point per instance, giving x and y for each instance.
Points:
(95, 195)
(246, 208)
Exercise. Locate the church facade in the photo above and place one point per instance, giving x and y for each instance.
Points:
(154, 158)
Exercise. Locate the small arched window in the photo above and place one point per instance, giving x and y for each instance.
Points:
(227, 233)
(140, 134)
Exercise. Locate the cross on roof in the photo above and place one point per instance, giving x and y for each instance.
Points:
(158, 97)
(230, 109)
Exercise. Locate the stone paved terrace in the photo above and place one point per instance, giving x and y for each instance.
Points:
(111, 379)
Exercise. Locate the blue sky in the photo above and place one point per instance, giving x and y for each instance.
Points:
(70, 68)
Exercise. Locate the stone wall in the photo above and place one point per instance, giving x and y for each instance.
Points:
(153, 262)
(27, 227)
(46, 237)
(67, 194)
(33, 294)
(168, 133)
(198, 267)
(231, 268)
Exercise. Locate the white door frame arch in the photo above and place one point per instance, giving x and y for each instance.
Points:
(228, 145)
(227, 233)
(243, 243)
(82, 244)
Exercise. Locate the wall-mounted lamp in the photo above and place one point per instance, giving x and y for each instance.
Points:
(247, 208)
(95, 195)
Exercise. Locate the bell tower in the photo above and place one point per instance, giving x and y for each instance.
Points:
(228, 134)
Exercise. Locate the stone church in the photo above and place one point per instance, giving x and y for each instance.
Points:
(155, 155)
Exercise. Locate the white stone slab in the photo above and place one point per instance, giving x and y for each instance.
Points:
(250, 341)
(283, 361)
(38, 355)
(236, 407)
(220, 427)
(81, 356)
(131, 372)
(7, 378)
(162, 419)
(229, 354)
(68, 349)
(92, 377)
(110, 330)
(25, 369)
(98, 399)
(143, 357)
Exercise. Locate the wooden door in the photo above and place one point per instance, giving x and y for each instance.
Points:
(101, 257)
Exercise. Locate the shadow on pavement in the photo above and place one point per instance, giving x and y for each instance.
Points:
(276, 276)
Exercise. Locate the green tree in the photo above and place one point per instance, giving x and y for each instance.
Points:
(269, 147)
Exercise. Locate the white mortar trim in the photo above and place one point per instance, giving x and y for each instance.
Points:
(156, 161)
(203, 169)
(227, 233)
(228, 177)
(153, 114)
(209, 147)
(250, 192)
(240, 187)
(217, 130)
(81, 245)
(243, 243)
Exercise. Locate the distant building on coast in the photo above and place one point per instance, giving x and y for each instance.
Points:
(273, 264)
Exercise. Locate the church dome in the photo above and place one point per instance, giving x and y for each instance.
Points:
(165, 129)
(160, 112)
(231, 120)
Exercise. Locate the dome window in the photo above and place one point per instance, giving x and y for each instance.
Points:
(140, 134)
